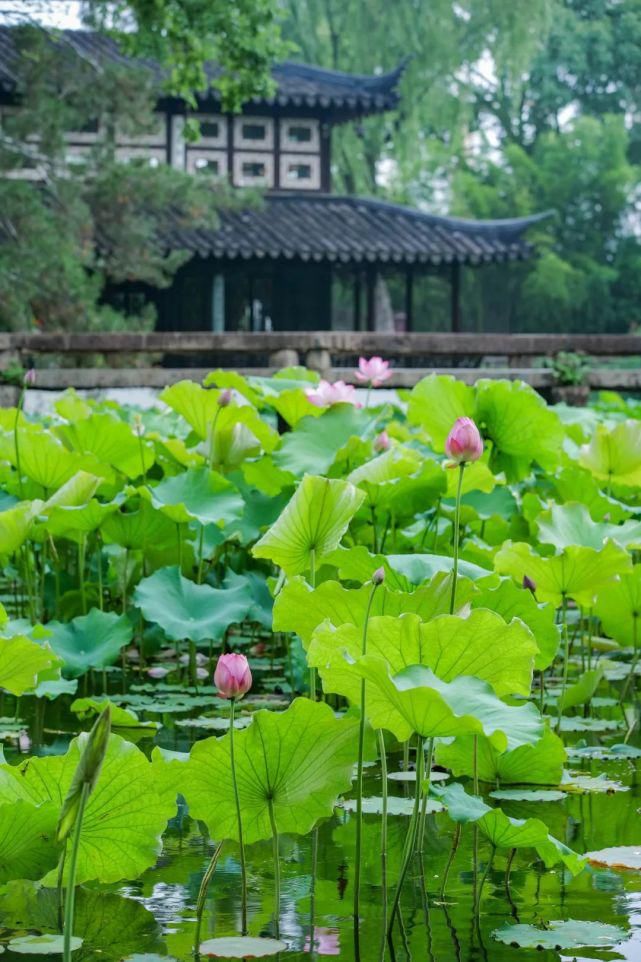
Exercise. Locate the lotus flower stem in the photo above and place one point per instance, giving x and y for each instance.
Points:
(566, 655)
(71, 880)
(410, 839)
(475, 764)
(16, 443)
(457, 520)
(383, 758)
(479, 892)
(202, 895)
(428, 771)
(453, 850)
(635, 659)
(82, 545)
(272, 820)
(312, 581)
(212, 434)
(359, 770)
(239, 821)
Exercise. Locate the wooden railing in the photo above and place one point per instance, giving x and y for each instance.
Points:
(155, 359)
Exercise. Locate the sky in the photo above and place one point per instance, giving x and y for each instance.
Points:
(53, 13)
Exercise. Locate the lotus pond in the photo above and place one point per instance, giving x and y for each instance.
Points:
(429, 748)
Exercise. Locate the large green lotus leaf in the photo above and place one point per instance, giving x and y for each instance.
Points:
(520, 426)
(197, 405)
(27, 840)
(312, 446)
(233, 423)
(71, 406)
(77, 522)
(125, 816)
(512, 601)
(263, 475)
(436, 402)
(237, 382)
(140, 528)
(375, 475)
(582, 691)
(537, 764)
(111, 442)
(505, 832)
(415, 700)
(15, 525)
(577, 572)
(315, 520)
(43, 459)
(197, 494)
(555, 936)
(184, 609)
(577, 484)
(23, 663)
(93, 640)
(402, 571)
(412, 495)
(618, 605)
(77, 491)
(259, 510)
(482, 645)
(302, 759)
(570, 524)
(300, 608)
(614, 455)
(293, 405)
(109, 925)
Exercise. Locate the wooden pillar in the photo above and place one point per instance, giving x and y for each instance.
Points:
(371, 299)
(357, 319)
(455, 282)
(409, 299)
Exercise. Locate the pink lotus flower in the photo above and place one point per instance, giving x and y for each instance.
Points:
(382, 441)
(326, 942)
(225, 397)
(379, 576)
(326, 394)
(30, 377)
(464, 443)
(374, 372)
(157, 672)
(232, 677)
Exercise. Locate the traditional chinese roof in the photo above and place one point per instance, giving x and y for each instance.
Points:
(323, 227)
(297, 84)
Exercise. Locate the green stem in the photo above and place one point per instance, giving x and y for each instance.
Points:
(477, 907)
(312, 581)
(455, 844)
(71, 880)
(16, 443)
(201, 559)
(312, 894)
(99, 569)
(428, 771)
(635, 659)
(410, 838)
(383, 758)
(566, 654)
(211, 438)
(202, 895)
(142, 458)
(124, 582)
(359, 770)
(82, 544)
(272, 821)
(475, 764)
(243, 867)
(457, 518)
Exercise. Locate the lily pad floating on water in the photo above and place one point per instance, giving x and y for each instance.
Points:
(213, 724)
(528, 795)
(605, 752)
(42, 944)
(583, 784)
(578, 724)
(619, 856)
(411, 776)
(241, 947)
(571, 934)
(395, 805)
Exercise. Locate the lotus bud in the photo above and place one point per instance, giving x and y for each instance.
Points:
(382, 441)
(225, 397)
(232, 677)
(30, 377)
(138, 426)
(464, 443)
(86, 773)
(529, 584)
(379, 576)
